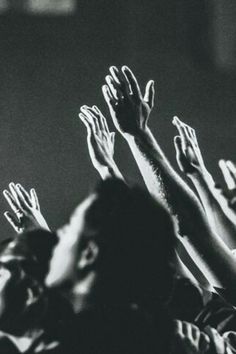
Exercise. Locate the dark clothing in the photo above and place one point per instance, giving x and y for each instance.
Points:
(106, 330)
(121, 330)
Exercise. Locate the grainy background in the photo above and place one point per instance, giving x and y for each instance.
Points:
(50, 66)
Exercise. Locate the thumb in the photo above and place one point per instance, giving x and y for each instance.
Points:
(178, 145)
(149, 93)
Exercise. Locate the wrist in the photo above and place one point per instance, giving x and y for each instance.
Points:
(138, 135)
(110, 170)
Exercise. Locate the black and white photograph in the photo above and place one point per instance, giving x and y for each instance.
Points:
(118, 176)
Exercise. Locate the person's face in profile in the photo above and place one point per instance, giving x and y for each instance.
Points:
(65, 258)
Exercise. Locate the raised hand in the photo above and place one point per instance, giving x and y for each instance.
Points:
(188, 153)
(100, 141)
(26, 214)
(217, 204)
(189, 339)
(129, 109)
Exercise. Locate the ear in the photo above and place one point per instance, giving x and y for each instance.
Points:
(89, 255)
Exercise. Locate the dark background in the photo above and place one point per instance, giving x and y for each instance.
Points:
(50, 66)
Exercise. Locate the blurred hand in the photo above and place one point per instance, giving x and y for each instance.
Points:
(100, 140)
(188, 153)
(129, 109)
(189, 339)
(26, 214)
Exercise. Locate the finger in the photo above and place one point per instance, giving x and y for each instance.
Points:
(177, 122)
(108, 96)
(11, 201)
(22, 201)
(103, 120)
(149, 93)
(186, 128)
(13, 222)
(115, 74)
(112, 135)
(204, 343)
(89, 118)
(95, 117)
(12, 188)
(180, 156)
(87, 112)
(87, 124)
(188, 132)
(132, 82)
(120, 79)
(34, 198)
(178, 145)
(25, 194)
(194, 136)
(231, 168)
(96, 109)
(178, 328)
(114, 87)
(230, 182)
(195, 332)
(180, 127)
(187, 330)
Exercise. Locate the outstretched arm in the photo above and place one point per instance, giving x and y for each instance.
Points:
(100, 142)
(130, 112)
(26, 214)
(190, 161)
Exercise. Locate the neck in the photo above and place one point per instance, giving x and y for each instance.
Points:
(83, 292)
(92, 291)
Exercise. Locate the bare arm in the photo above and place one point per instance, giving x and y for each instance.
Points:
(191, 162)
(130, 112)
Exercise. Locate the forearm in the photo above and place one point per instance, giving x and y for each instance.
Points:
(162, 181)
(211, 254)
(188, 268)
(213, 258)
(216, 216)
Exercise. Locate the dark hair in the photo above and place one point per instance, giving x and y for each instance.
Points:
(136, 238)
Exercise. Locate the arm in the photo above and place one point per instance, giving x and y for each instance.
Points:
(190, 161)
(100, 142)
(130, 112)
(26, 209)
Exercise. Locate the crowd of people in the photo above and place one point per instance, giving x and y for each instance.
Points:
(134, 271)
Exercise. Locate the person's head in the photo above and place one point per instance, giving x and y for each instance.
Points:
(23, 264)
(122, 235)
